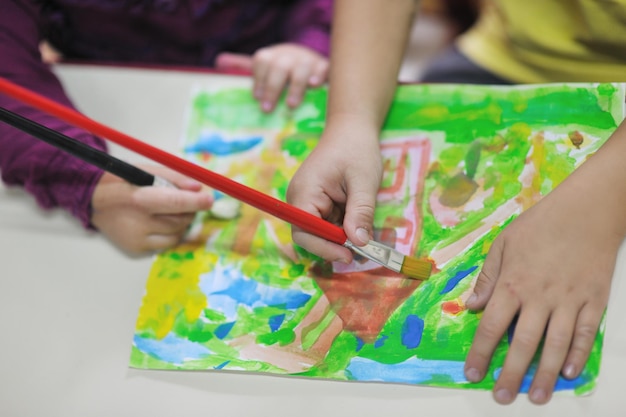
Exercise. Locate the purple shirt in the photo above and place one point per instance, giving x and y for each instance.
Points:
(177, 32)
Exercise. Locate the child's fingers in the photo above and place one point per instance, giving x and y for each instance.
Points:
(319, 73)
(298, 83)
(359, 217)
(275, 83)
(171, 223)
(497, 317)
(227, 61)
(162, 200)
(159, 242)
(179, 180)
(526, 338)
(321, 247)
(557, 343)
(261, 67)
(585, 332)
(488, 277)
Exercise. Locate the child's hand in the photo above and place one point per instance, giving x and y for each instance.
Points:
(142, 220)
(289, 66)
(340, 177)
(275, 68)
(550, 269)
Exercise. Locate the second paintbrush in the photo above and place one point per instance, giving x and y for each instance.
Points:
(95, 157)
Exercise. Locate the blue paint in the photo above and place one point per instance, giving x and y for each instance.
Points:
(287, 299)
(223, 329)
(253, 294)
(359, 344)
(243, 291)
(454, 281)
(562, 384)
(380, 342)
(171, 349)
(412, 330)
(221, 365)
(227, 288)
(276, 321)
(411, 371)
(215, 144)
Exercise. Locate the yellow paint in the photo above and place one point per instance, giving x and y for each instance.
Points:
(172, 289)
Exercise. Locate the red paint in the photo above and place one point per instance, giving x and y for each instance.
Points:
(364, 300)
(453, 307)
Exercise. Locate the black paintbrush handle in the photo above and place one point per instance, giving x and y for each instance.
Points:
(80, 150)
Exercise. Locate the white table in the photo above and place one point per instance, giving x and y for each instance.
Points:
(69, 300)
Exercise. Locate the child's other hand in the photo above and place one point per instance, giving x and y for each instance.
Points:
(286, 66)
(339, 178)
(143, 220)
(550, 269)
(275, 68)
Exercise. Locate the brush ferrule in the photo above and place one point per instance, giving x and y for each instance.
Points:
(162, 182)
(379, 253)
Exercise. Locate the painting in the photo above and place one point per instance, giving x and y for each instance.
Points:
(460, 162)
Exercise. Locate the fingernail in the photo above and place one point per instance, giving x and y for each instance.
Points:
(314, 80)
(267, 106)
(292, 101)
(538, 395)
(503, 396)
(473, 375)
(362, 234)
(569, 371)
(342, 260)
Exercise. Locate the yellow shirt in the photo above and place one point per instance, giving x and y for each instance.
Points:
(536, 41)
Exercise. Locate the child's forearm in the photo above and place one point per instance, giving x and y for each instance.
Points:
(600, 185)
(368, 43)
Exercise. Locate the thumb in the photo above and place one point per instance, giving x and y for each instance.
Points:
(486, 281)
(234, 62)
(359, 216)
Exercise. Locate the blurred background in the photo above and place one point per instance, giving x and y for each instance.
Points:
(436, 26)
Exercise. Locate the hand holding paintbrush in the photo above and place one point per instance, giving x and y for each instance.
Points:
(137, 220)
(385, 256)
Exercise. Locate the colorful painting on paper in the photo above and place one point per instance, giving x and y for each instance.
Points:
(460, 163)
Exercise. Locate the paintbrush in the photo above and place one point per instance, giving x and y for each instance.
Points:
(375, 251)
(101, 159)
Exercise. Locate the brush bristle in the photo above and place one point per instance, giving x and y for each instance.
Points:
(416, 268)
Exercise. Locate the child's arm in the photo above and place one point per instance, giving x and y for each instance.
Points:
(54, 178)
(136, 219)
(552, 267)
(343, 173)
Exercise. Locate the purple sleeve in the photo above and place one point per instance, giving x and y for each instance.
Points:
(55, 178)
(309, 24)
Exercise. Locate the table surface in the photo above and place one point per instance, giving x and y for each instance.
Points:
(69, 301)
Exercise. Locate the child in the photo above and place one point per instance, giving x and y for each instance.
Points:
(534, 270)
(284, 43)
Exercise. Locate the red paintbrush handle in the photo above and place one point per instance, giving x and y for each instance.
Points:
(270, 205)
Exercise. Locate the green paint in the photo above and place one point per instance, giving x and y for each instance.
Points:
(282, 336)
(311, 334)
